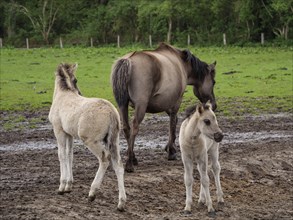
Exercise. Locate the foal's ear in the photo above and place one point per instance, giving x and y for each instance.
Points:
(74, 67)
(199, 109)
(208, 105)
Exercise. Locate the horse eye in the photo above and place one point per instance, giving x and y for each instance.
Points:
(207, 122)
(75, 81)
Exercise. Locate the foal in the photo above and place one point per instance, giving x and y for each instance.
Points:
(95, 121)
(199, 135)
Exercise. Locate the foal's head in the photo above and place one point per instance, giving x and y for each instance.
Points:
(206, 121)
(66, 78)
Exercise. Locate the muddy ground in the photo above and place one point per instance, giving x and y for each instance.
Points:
(257, 174)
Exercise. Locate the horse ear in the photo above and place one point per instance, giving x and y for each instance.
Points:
(208, 105)
(212, 66)
(199, 109)
(74, 67)
(60, 70)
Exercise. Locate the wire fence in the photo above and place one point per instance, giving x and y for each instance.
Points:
(92, 43)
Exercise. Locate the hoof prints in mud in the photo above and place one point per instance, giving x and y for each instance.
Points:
(256, 176)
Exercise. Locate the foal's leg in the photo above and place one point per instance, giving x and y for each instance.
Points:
(214, 154)
(61, 137)
(103, 156)
(204, 180)
(119, 170)
(69, 160)
(188, 180)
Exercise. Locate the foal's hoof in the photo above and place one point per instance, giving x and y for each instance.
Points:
(186, 212)
(60, 192)
(91, 198)
(172, 157)
(120, 209)
(212, 214)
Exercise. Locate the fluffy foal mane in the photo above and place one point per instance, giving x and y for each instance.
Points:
(67, 80)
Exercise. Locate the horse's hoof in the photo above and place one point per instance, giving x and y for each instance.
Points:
(121, 209)
(67, 191)
(91, 198)
(134, 161)
(187, 212)
(172, 157)
(60, 192)
(212, 214)
(129, 169)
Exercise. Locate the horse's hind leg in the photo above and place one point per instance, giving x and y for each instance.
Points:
(126, 128)
(204, 180)
(69, 161)
(119, 170)
(214, 154)
(103, 156)
(137, 119)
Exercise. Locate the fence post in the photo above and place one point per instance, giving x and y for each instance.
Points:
(92, 43)
(27, 43)
(188, 40)
(1, 43)
(224, 39)
(150, 41)
(262, 37)
(61, 43)
(118, 41)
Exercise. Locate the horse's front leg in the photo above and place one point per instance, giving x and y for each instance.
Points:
(170, 147)
(61, 142)
(214, 153)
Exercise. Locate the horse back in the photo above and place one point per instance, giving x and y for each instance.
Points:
(158, 78)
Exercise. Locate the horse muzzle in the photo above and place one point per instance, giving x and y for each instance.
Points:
(218, 137)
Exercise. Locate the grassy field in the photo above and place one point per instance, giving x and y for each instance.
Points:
(249, 80)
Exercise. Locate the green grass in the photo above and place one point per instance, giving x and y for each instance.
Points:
(261, 79)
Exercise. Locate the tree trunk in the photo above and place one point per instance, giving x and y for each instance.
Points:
(169, 31)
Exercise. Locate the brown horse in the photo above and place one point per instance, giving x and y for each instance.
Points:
(154, 81)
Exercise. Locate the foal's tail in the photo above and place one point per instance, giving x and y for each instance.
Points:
(112, 141)
(119, 78)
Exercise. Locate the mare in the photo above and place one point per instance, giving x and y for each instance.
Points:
(154, 81)
(199, 135)
(95, 121)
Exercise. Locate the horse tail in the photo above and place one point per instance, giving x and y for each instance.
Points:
(119, 78)
(112, 140)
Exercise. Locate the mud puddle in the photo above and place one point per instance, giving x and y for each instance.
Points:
(160, 142)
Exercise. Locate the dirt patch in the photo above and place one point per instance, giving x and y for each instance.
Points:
(257, 175)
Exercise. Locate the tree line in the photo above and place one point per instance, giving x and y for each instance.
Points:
(203, 21)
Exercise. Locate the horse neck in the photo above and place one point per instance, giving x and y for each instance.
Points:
(58, 92)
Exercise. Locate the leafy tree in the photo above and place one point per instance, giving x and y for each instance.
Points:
(43, 20)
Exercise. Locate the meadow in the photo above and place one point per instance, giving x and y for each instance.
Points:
(249, 80)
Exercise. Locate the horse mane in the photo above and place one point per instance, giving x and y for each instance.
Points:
(199, 67)
(65, 72)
